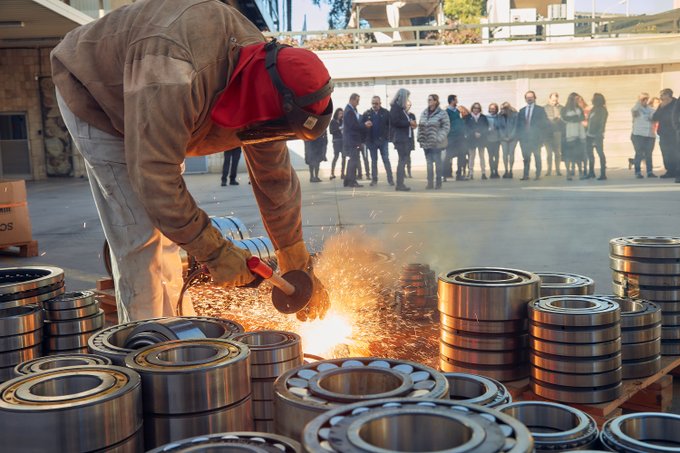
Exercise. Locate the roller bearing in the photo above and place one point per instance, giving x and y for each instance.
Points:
(562, 284)
(255, 442)
(474, 389)
(58, 361)
(644, 432)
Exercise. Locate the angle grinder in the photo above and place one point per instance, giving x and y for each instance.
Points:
(292, 291)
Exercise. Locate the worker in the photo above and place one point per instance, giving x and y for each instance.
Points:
(156, 81)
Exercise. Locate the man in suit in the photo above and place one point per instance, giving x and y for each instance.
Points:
(351, 140)
(532, 126)
(377, 121)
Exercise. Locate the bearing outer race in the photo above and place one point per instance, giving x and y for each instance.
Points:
(660, 281)
(67, 342)
(70, 301)
(37, 365)
(670, 347)
(89, 324)
(21, 341)
(641, 368)
(639, 351)
(12, 358)
(575, 335)
(52, 275)
(645, 246)
(575, 350)
(501, 373)
(47, 294)
(667, 299)
(288, 349)
(76, 313)
(493, 395)
(632, 336)
(263, 410)
(273, 370)
(479, 357)
(651, 267)
(483, 327)
(225, 378)
(604, 312)
(585, 365)
(637, 313)
(575, 395)
(615, 438)
(484, 342)
(605, 379)
(19, 320)
(225, 440)
(97, 417)
(576, 284)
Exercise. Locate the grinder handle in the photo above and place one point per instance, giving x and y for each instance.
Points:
(259, 267)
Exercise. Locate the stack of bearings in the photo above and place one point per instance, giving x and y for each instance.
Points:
(483, 315)
(22, 332)
(575, 348)
(409, 424)
(648, 268)
(92, 408)
(70, 320)
(272, 353)
(473, 389)
(554, 427)
(193, 387)
(416, 296)
(563, 284)
(118, 341)
(645, 432)
(640, 337)
(303, 393)
(231, 227)
(29, 285)
(233, 442)
(58, 361)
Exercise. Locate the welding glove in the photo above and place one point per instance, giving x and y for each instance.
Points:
(225, 261)
(296, 257)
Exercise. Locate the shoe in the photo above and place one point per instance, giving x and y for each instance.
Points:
(402, 189)
(471, 177)
(373, 183)
(524, 178)
(602, 178)
(332, 177)
(460, 178)
(548, 173)
(438, 186)
(484, 178)
(667, 175)
(569, 178)
(639, 176)
(505, 175)
(356, 184)
(651, 175)
(224, 183)
(510, 175)
(391, 183)
(591, 175)
(537, 178)
(583, 177)
(631, 163)
(495, 176)
(409, 175)
(429, 187)
(233, 182)
(342, 176)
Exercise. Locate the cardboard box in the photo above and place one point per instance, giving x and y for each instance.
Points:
(15, 222)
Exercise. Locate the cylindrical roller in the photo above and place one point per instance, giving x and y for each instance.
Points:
(484, 342)
(20, 320)
(230, 227)
(483, 327)
(639, 351)
(15, 280)
(272, 346)
(74, 313)
(111, 342)
(473, 389)
(598, 334)
(11, 358)
(263, 410)
(233, 442)
(70, 301)
(161, 429)
(21, 341)
(643, 432)
(576, 365)
(605, 379)
(158, 331)
(67, 342)
(502, 373)
(575, 350)
(488, 294)
(186, 376)
(59, 361)
(561, 284)
(576, 395)
(75, 326)
(472, 356)
(636, 369)
(74, 409)
(570, 311)
(645, 266)
(390, 425)
(554, 427)
(646, 247)
(304, 392)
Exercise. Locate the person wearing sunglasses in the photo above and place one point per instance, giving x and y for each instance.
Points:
(157, 81)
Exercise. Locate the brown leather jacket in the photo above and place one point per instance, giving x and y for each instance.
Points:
(150, 73)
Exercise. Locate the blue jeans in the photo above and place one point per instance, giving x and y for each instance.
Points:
(384, 154)
(433, 157)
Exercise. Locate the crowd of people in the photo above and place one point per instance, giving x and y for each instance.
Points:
(572, 134)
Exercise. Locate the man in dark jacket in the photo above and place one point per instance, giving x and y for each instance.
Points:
(377, 121)
(351, 140)
(668, 140)
(456, 148)
(532, 124)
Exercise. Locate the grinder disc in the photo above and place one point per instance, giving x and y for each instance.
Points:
(299, 299)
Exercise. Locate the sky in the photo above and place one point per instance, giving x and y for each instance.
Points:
(317, 17)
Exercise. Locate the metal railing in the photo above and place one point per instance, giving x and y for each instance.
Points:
(428, 35)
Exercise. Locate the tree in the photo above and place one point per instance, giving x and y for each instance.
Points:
(465, 10)
(340, 12)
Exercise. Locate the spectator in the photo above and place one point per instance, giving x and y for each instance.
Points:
(574, 137)
(412, 142)
(336, 133)
(583, 105)
(432, 136)
(597, 122)
(493, 140)
(532, 123)
(553, 140)
(401, 133)
(507, 129)
(643, 135)
(668, 141)
(477, 130)
(230, 166)
(675, 117)
(351, 140)
(456, 147)
(377, 120)
(315, 153)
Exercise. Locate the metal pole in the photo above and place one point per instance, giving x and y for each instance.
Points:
(592, 16)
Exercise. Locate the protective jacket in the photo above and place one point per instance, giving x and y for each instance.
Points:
(150, 72)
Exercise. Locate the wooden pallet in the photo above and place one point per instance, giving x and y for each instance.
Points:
(652, 393)
(106, 295)
(21, 249)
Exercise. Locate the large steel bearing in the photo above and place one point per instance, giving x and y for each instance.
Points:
(75, 326)
(562, 284)
(59, 361)
(188, 376)
(111, 342)
(502, 373)
(304, 392)
(483, 327)
(231, 227)
(576, 365)
(579, 395)
(574, 311)
(29, 285)
(253, 442)
(487, 293)
(70, 301)
(409, 424)
(74, 409)
(645, 266)
(473, 389)
(644, 432)
(554, 427)
(665, 247)
(20, 320)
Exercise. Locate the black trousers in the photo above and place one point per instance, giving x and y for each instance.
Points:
(669, 151)
(352, 165)
(527, 152)
(493, 148)
(230, 165)
(598, 144)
